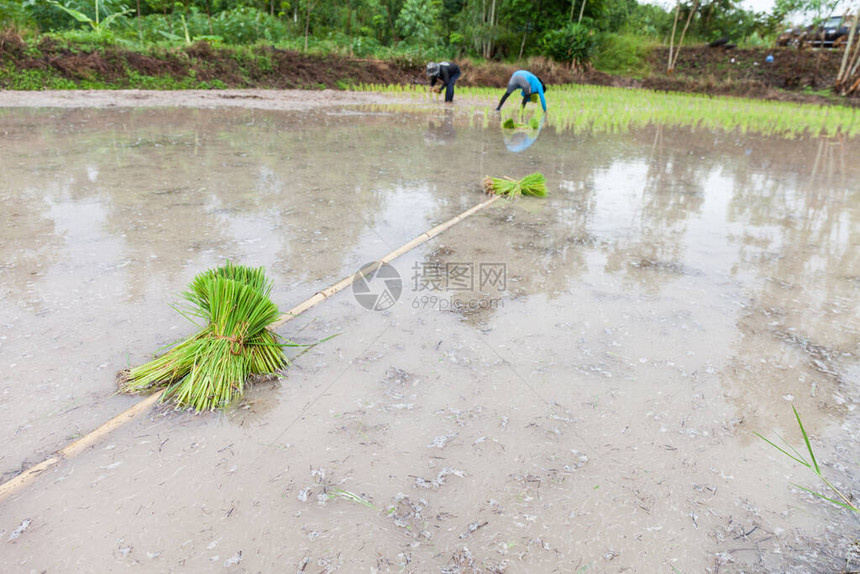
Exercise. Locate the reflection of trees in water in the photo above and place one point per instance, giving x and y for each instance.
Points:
(786, 209)
(178, 185)
(29, 244)
(800, 238)
(441, 131)
(298, 191)
(537, 244)
(672, 191)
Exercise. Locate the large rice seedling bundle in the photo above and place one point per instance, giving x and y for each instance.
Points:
(209, 369)
(533, 184)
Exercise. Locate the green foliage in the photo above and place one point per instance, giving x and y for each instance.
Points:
(346, 84)
(53, 16)
(621, 54)
(242, 26)
(573, 44)
(13, 14)
(756, 41)
(614, 15)
(97, 23)
(503, 29)
(416, 21)
(722, 19)
(648, 20)
(11, 79)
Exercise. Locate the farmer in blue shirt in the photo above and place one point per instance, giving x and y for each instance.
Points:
(529, 84)
(446, 73)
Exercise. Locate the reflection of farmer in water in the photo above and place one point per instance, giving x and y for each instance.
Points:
(441, 131)
(520, 139)
(446, 73)
(529, 84)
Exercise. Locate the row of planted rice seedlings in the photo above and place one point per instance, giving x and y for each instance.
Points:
(638, 107)
(601, 109)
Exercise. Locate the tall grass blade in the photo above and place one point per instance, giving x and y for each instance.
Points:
(797, 457)
(783, 451)
(806, 439)
(819, 495)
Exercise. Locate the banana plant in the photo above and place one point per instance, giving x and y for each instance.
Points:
(97, 26)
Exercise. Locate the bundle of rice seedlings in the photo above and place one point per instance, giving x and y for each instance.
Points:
(510, 124)
(209, 369)
(533, 184)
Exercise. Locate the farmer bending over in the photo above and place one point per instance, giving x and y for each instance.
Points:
(447, 73)
(529, 84)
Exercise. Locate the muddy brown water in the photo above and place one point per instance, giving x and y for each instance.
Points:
(571, 384)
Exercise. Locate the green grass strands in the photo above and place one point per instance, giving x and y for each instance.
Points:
(531, 185)
(841, 499)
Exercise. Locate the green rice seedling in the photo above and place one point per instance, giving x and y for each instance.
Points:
(510, 124)
(347, 495)
(209, 369)
(843, 501)
(533, 185)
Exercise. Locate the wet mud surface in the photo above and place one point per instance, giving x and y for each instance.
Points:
(564, 385)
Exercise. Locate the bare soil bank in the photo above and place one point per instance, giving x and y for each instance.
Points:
(716, 71)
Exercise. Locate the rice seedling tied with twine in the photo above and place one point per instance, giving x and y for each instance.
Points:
(533, 184)
(209, 369)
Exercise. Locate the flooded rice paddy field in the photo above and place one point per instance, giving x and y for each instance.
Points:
(570, 384)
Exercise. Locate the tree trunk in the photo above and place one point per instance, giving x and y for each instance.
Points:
(683, 33)
(307, 25)
(491, 42)
(209, 16)
(522, 45)
(672, 38)
(581, 12)
(840, 79)
(349, 24)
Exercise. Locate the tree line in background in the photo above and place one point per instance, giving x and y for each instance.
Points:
(570, 31)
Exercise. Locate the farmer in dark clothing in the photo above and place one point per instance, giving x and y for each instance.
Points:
(529, 84)
(447, 74)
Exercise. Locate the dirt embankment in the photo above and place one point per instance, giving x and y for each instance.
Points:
(699, 69)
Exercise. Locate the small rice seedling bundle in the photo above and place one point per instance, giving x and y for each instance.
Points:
(209, 369)
(533, 185)
(510, 124)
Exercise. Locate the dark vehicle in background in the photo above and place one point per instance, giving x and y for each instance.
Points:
(831, 33)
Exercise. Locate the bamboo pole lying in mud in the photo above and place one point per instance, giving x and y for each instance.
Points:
(88, 440)
(347, 281)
